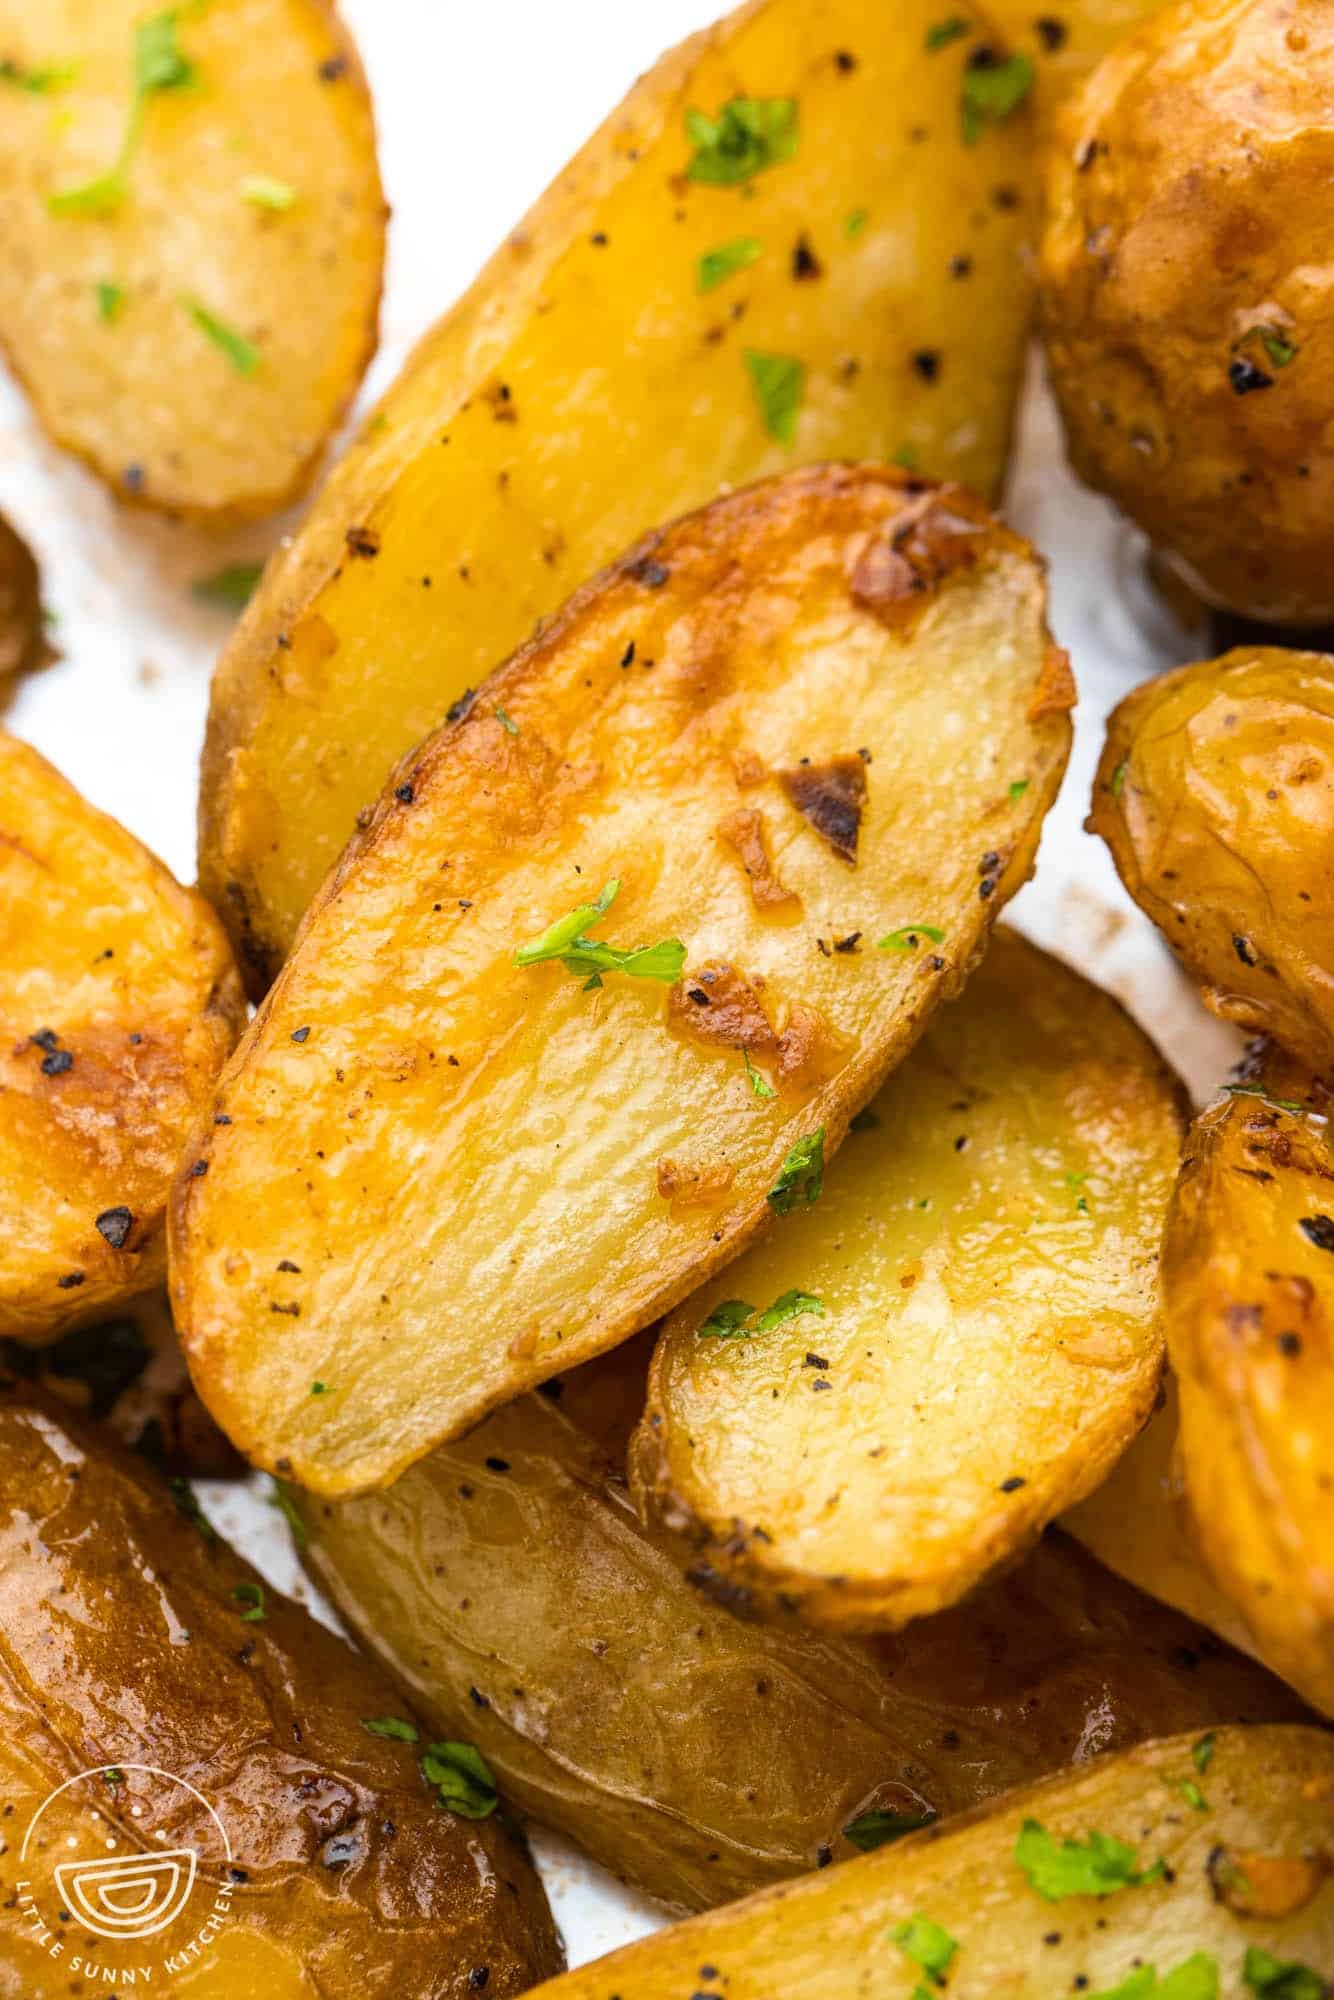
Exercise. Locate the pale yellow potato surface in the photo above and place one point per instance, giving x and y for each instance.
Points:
(252, 195)
(443, 1176)
(985, 1257)
(587, 388)
(118, 1002)
(1269, 1807)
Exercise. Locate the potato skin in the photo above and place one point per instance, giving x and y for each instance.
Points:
(140, 392)
(830, 1936)
(1215, 793)
(119, 1000)
(588, 387)
(22, 638)
(1248, 1295)
(1186, 300)
(121, 1644)
(798, 658)
(695, 1754)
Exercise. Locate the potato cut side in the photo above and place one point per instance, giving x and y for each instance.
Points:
(118, 1002)
(696, 1754)
(22, 631)
(194, 226)
(1215, 793)
(819, 715)
(890, 1397)
(1246, 1880)
(1248, 1298)
(779, 249)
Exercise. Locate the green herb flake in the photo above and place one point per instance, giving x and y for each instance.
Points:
(906, 458)
(263, 191)
(462, 1779)
(992, 92)
(1196, 1978)
(926, 1944)
(728, 1321)
(507, 723)
(1119, 778)
(319, 1388)
(779, 383)
(287, 1507)
(1274, 1103)
(856, 221)
(1098, 1866)
(878, 1829)
(566, 942)
(908, 936)
(242, 354)
(801, 1176)
(791, 1305)
(735, 1319)
(749, 135)
(395, 1726)
(252, 1595)
(230, 588)
(1202, 1753)
(110, 300)
(158, 65)
(1281, 1979)
(1018, 786)
(186, 1504)
(1192, 1794)
(1279, 350)
(717, 265)
(113, 1775)
(759, 1084)
(941, 33)
(37, 82)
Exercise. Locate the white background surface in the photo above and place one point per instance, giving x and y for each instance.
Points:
(478, 106)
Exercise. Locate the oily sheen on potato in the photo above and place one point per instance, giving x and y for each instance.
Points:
(136, 1647)
(118, 1002)
(506, 1582)
(1215, 794)
(894, 1393)
(800, 237)
(622, 947)
(1205, 1857)
(194, 234)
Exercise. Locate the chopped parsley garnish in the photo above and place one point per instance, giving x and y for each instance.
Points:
(1281, 1979)
(1018, 786)
(1119, 778)
(252, 1595)
(1275, 1103)
(113, 1775)
(588, 958)
(748, 135)
(242, 354)
(395, 1726)
(759, 1084)
(991, 92)
(908, 936)
(877, 1829)
(183, 1494)
(263, 191)
(1098, 1866)
(462, 1779)
(287, 1507)
(942, 33)
(38, 82)
(319, 1388)
(231, 588)
(507, 723)
(716, 265)
(158, 65)
(1202, 1753)
(856, 221)
(778, 382)
(110, 298)
(906, 458)
(1192, 1794)
(1196, 1978)
(728, 1321)
(926, 1944)
(801, 1176)
(732, 1320)
(791, 1305)
(1279, 350)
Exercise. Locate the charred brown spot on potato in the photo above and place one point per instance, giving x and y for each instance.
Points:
(746, 833)
(1055, 691)
(718, 1004)
(1265, 1885)
(695, 1186)
(831, 797)
(902, 565)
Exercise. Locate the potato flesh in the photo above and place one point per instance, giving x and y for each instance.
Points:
(1268, 1792)
(699, 1755)
(129, 976)
(1215, 793)
(485, 1173)
(986, 1256)
(586, 388)
(138, 390)
(122, 1644)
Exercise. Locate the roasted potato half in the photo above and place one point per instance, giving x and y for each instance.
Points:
(118, 1002)
(1209, 1853)
(889, 1398)
(1185, 297)
(801, 724)
(1215, 794)
(1248, 1296)
(780, 248)
(213, 1718)
(194, 234)
(697, 1755)
(22, 633)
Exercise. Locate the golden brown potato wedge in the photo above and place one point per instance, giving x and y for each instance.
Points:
(873, 1409)
(137, 1649)
(696, 1755)
(194, 228)
(1215, 793)
(1247, 1878)
(797, 724)
(22, 633)
(118, 1002)
(778, 249)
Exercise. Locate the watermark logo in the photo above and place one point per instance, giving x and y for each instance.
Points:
(98, 1862)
